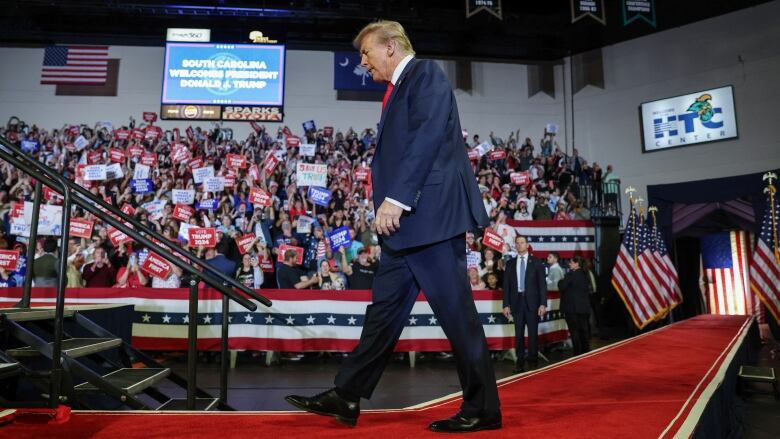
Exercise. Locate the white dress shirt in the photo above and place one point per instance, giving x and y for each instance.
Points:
(397, 74)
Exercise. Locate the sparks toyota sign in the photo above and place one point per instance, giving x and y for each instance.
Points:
(704, 116)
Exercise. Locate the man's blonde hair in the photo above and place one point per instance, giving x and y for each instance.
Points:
(385, 30)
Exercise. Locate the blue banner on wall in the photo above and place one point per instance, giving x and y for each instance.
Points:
(348, 74)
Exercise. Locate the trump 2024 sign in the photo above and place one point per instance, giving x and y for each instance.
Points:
(704, 116)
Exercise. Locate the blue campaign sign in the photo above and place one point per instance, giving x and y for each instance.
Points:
(319, 195)
(309, 126)
(142, 186)
(30, 146)
(238, 74)
(210, 204)
(339, 238)
(348, 74)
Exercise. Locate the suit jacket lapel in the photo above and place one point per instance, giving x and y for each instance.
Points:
(392, 97)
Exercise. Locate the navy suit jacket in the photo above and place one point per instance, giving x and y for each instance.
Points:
(420, 160)
(535, 292)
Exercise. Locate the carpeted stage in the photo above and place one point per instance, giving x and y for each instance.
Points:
(676, 381)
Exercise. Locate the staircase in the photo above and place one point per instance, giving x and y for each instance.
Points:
(68, 358)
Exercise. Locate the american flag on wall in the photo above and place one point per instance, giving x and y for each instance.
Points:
(635, 275)
(81, 65)
(569, 238)
(765, 265)
(725, 270)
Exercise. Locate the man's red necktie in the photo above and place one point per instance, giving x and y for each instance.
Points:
(386, 97)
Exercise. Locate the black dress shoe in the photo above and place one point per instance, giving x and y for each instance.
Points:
(460, 424)
(328, 403)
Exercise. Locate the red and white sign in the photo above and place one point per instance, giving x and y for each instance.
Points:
(327, 131)
(81, 228)
(267, 265)
(118, 237)
(121, 134)
(137, 134)
(254, 173)
(149, 159)
(244, 243)
(202, 236)
(473, 155)
(182, 212)
(190, 133)
(362, 174)
(259, 196)
(150, 116)
(156, 266)
(298, 253)
(50, 194)
(236, 161)
(271, 162)
(94, 157)
(17, 211)
(493, 240)
(292, 141)
(74, 130)
(116, 155)
(196, 163)
(230, 182)
(179, 153)
(520, 178)
(128, 209)
(135, 151)
(152, 133)
(499, 154)
(255, 126)
(9, 259)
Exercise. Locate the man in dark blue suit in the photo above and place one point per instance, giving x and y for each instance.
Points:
(428, 198)
(525, 299)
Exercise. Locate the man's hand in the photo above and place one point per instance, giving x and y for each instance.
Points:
(388, 218)
(542, 311)
(507, 312)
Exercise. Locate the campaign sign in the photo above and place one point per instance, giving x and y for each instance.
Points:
(520, 178)
(183, 196)
(117, 237)
(214, 184)
(95, 172)
(114, 171)
(254, 173)
(298, 252)
(74, 130)
(292, 141)
(493, 240)
(135, 151)
(200, 174)
(244, 243)
(266, 265)
(49, 218)
(9, 259)
(339, 238)
(50, 194)
(150, 116)
(304, 224)
(142, 186)
(327, 131)
(319, 195)
(149, 159)
(116, 155)
(154, 208)
(80, 143)
(81, 228)
(202, 237)
(474, 154)
(209, 204)
(312, 175)
(271, 162)
(156, 266)
(236, 161)
(30, 146)
(17, 210)
(497, 155)
(182, 212)
(128, 209)
(259, 196)
(483, 148)
(309, 125)
(137, 134)
(196, 163)
(362, 173)
(121, 134)
(473, 259)
(551, 128)
(94, 157)
(308, 149)
(141, 172)
(230, 181)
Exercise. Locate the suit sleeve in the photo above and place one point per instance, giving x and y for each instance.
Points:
(542, 285)
(430, 105)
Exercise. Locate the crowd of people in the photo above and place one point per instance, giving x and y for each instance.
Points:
(283, 240)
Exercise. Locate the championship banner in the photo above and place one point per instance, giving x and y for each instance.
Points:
(298, 253)
(182, 212)
(493, 240)
(569, 238)
(491, 6)
(298, 321)
(202, 237)
(339, 238)
(81, 228)
(156, 266)
(633, 10)
(244, 243)
(588, 8)
(9, 259)
(319, 196)
(259, 196)
(312, 175)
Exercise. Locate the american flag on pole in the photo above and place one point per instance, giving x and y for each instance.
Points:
(568, 238)
(635, 275)
(765, 265)
(80, 65)
(665, 267)
(725, 266)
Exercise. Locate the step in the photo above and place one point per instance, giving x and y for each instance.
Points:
(201, 404)
(72, 347)
(130, 380)
(758, 374)
(30, 314)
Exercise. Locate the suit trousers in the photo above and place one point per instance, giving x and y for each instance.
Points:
(525, 318)
(439, 270)
(579, 329)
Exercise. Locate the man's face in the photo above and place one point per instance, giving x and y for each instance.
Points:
(521, 244)
(551, 259)
(375, 58)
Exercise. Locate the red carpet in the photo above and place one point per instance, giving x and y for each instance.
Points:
(654, 385)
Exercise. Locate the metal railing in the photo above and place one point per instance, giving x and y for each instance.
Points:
(195, 267)
(602, 200)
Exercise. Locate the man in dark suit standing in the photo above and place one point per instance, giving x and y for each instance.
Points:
(525, 299)
(428, 198)
(575, 303)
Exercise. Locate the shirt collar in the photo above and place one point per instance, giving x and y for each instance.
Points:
(400, 68)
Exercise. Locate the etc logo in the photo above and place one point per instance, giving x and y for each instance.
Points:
(701, 109)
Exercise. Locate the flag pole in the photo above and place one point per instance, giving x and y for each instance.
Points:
(769, 177)
(630, 191)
